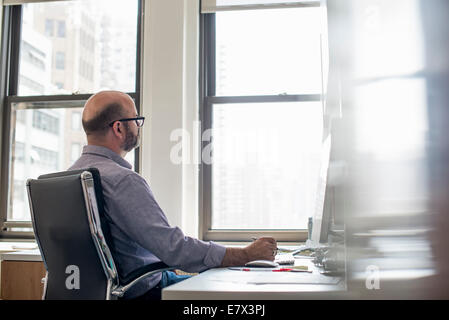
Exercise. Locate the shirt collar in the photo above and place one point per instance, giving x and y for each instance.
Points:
(107, 153)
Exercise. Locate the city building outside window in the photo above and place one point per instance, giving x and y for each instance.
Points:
(43, 105)
(45, 122)
(262, 120)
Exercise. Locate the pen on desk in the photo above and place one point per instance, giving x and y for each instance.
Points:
(269, 269)
(239, 269)
(282, 270)
(253, 269)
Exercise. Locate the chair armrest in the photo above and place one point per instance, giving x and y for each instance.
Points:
(141, 271)
(135, 276)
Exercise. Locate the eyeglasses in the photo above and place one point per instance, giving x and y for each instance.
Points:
(139, 121)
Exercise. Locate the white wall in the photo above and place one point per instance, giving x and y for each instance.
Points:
(169, 102)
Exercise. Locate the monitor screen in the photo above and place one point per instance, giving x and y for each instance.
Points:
(320, 219)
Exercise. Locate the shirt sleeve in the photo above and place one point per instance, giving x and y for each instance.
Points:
(141, 218)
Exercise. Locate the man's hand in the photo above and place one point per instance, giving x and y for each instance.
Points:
(261, 249)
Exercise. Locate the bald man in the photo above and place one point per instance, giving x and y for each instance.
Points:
(140, 231)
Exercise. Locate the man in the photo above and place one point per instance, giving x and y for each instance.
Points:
(140, 231)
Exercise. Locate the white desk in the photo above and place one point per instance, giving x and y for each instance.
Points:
(226, 284)
(13, 246)
(24, 255)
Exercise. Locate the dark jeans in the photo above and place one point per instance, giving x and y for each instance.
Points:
(168, 278)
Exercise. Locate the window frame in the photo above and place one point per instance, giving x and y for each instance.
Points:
(9, 80)
(207, 96)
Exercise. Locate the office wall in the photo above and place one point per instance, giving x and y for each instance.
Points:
(169, 102)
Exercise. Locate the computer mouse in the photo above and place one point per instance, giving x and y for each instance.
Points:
(262, 264)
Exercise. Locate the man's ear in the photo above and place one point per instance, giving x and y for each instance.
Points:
(117, 128)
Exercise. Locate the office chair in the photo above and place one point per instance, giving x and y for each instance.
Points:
(70, 227)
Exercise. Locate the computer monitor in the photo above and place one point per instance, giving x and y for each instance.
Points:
(322, 216)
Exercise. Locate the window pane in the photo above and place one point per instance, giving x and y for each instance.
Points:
(78, 46)
(40, 144)
(61, 29)
(49, 26)
(266, 158)
(261, 52)
(60, 60)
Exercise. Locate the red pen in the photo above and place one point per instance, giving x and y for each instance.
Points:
(282, 269)
(239, 269)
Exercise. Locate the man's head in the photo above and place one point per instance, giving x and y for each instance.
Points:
(100, 121)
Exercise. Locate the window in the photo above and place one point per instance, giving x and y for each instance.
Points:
(258, 58)
(42, 107)
(44, 158)
(45, 122)
(61, 29)
(41, 144)
(49, 27)
(88, 48)
(60, 60)
(262, 120)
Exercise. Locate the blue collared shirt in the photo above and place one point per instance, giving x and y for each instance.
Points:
(140, 230)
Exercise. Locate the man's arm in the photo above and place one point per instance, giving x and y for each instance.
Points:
(133, 208)
(137, 213)
(261, 249)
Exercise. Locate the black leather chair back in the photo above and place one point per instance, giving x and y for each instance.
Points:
(65, 229)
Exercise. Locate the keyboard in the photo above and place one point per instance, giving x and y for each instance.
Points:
(303, 251)
(285, 258)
